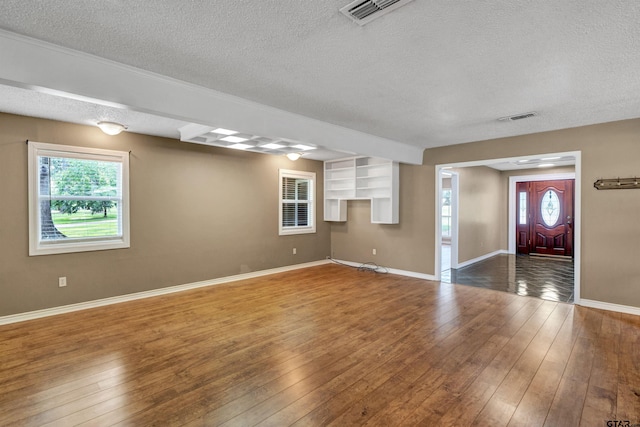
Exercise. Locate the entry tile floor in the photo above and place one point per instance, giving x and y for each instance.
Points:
(545, 278)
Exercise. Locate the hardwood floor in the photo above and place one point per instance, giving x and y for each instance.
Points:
(326, 345)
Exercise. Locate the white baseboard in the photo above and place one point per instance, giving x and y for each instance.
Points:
(21, 317)
(481, 258)
(394, 271)
(609, 306)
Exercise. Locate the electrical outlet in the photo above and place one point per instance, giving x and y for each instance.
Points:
(62, 282)
(295, 251)
(374, 251)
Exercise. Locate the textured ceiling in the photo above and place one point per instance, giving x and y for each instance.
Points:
(37, 104)
(431, 73)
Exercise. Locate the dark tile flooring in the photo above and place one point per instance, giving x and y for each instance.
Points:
(546, 278)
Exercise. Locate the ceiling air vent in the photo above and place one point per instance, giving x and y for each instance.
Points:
(518, 117)
(365, 11)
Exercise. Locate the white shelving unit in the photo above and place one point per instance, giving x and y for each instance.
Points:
(361, 178)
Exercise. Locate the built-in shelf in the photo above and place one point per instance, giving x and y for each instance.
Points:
(362, 178)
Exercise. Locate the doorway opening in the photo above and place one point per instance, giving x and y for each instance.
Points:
(504, 257)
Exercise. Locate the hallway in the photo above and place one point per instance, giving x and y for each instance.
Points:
(545, 278)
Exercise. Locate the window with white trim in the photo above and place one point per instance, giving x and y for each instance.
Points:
(78, 199)
(297, 194)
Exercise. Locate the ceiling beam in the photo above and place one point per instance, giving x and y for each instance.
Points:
(37, 65)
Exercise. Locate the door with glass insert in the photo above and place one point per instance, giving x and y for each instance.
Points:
(545, 217)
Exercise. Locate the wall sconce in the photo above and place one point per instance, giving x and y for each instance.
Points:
(294, 156)
(111, 128)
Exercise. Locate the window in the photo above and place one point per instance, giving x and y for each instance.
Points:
(446, 212)
(78, 199)
(522, 217)
(297, 194)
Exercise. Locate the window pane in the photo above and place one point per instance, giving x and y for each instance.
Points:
(79, 198)
(80, 177)
(100, 219)
(523, 208)
(302, 215)
(446, 197)
(446, 212)
(303, 189)
(288, 188)
(446, 226)
(550, 208)
(288, 214)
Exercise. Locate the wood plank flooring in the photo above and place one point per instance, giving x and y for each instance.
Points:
(327, 345)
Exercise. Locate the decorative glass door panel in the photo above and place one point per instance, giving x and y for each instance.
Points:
(550, 208)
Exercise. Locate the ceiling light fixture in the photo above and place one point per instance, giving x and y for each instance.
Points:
(294, 156)
(224, 137)
(222, 131)
(234, 139)
(111, 128)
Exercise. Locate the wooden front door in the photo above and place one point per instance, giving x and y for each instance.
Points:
(544, 223)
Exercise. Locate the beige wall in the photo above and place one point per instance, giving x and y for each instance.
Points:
(398, 245)
(197, 213)
(610, 227)
(200, 212)
(480, 212)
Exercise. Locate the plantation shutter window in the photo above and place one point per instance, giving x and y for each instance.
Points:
(296, 202)
(78, 199)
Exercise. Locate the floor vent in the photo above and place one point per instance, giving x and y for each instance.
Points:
(364, 11)
(518, 117)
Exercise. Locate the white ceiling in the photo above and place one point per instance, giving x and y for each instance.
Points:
(428, 74)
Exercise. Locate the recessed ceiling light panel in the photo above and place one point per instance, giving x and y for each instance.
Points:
(222, 131)
(227, 138)
(273, 146)
(234, 139)
(240, 146)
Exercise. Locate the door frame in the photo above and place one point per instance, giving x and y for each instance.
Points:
(577, 224)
